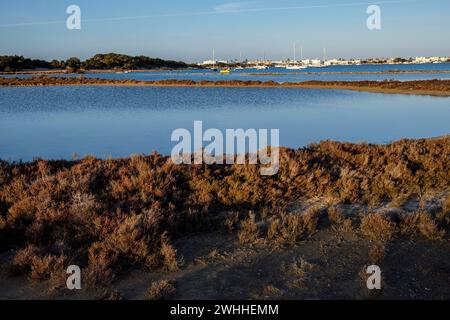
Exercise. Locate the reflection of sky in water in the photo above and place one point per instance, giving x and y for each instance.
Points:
(55, 122)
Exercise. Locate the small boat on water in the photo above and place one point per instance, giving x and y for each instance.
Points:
(261, 67)
(295, 67)
(225, 71)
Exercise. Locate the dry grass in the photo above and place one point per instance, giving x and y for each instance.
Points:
(377, 253)
(338, 220)
(421, 223)
(171, 262)
(231, 222)
(31, 261)
(48, 267)
(287, 229)
(377, 227)
(160, 290)
(271, 291)
(211, 257)
(311, 219)
(300, 270)
(249, 231)
(111, 295)
(108, 216)
(444, 215)
(21, 262)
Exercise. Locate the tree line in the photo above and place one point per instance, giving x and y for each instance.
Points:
(99, 62)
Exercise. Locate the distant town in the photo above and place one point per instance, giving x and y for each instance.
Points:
(304, 63)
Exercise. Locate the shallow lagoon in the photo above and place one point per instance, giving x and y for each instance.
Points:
(55, 122)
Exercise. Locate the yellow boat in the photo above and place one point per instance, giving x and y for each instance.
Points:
(225, 71)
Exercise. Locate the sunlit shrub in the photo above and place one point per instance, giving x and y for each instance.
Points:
(160, 290)
(377, 227)
(421, 223)
(111, 215)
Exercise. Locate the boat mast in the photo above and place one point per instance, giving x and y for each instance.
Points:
(295, 58)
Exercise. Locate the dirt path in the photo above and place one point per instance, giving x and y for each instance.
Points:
(217, 269)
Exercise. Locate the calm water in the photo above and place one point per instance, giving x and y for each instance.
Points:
(283, 75)
(55, 122)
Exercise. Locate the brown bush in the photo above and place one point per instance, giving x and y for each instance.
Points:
(249, 231)
(231, 222)
(48, 267)
(110, 295)
(311, 219)
(21, 262)
(300, 270)
(30, 261)
(422, 223)
(377, 227)
(338, 220)
(273, 230)
(444, 214)
(160, 290)
(290, 228)
(270, 291)
(169, 254)
(110, 215)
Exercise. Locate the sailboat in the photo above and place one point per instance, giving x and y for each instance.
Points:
(214, 61)
(260, 67)
(239, 66)
(296, 66)
(325, 63)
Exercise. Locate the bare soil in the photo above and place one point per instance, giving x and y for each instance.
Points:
(215, 266)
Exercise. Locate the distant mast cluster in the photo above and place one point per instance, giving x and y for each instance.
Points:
(295, 64)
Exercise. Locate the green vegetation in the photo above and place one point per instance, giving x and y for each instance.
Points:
(100, 62)
(14, 63)
(120, 61)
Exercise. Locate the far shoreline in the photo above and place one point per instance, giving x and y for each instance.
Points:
(250, 72)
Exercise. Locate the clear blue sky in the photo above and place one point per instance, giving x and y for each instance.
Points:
(188, 30)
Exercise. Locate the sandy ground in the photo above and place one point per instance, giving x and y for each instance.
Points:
(215, 266)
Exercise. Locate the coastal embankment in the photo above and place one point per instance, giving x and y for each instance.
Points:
(418, 87)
